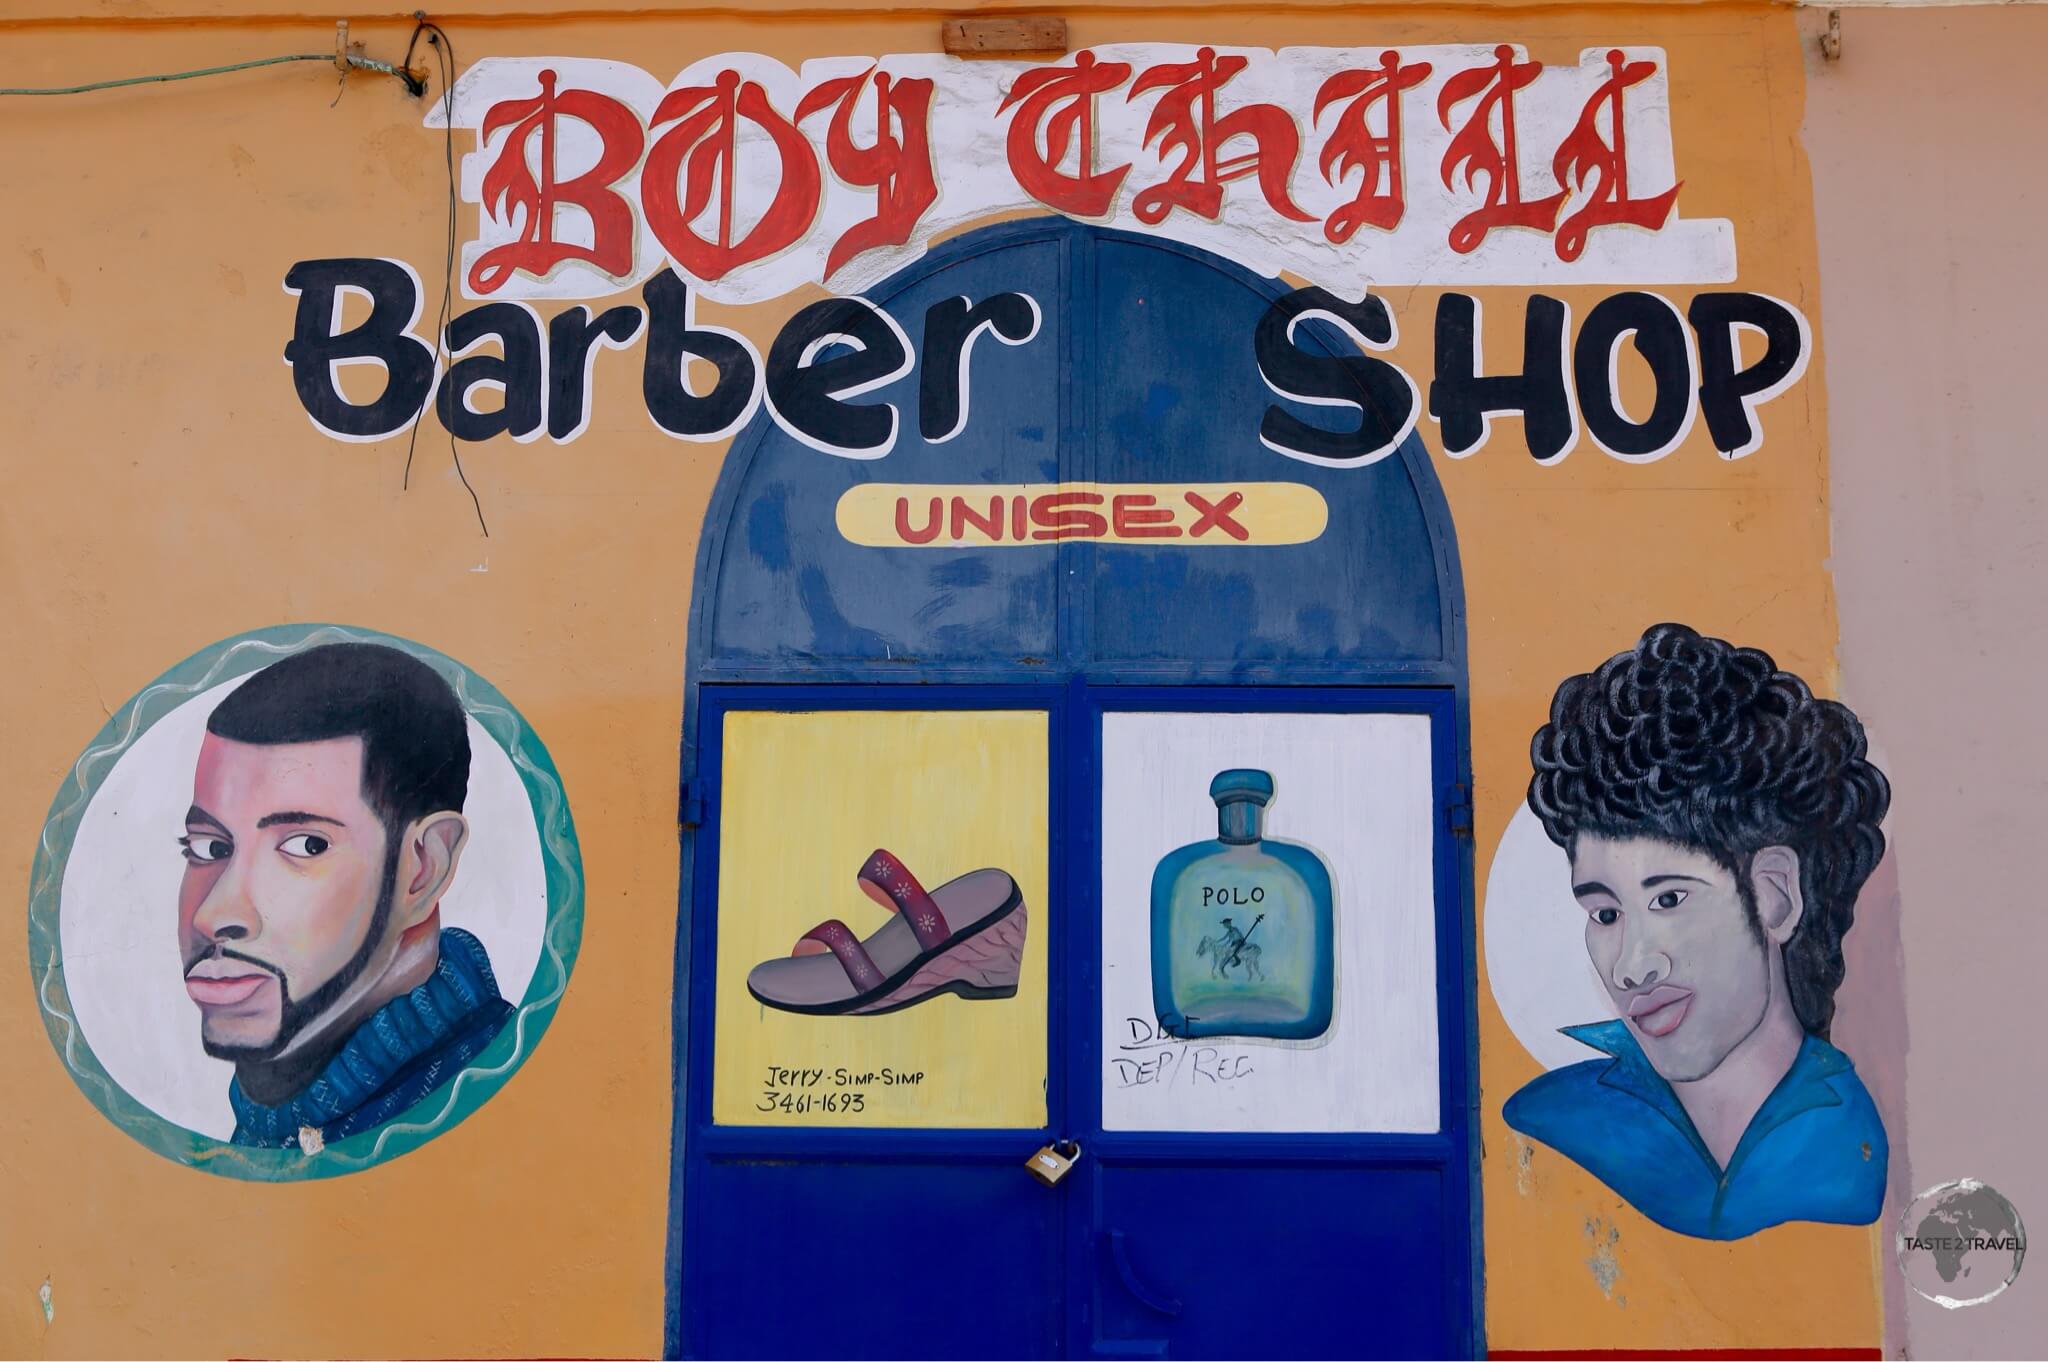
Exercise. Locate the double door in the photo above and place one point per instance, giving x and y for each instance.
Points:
(853, 1143)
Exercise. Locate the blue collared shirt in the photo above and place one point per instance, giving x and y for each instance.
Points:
(1815, 1150)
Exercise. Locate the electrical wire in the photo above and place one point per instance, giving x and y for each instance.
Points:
(438, 39)
(361, 63)
(444, 47)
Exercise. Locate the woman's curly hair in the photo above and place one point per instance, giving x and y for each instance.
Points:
(1700, 743)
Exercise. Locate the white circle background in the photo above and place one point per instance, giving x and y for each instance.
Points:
(118, 916)
(1536, 959)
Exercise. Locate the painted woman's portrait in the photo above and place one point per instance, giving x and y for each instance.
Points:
(313, 900)
(1719, 821)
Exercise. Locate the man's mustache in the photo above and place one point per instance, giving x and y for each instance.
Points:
(224, 953)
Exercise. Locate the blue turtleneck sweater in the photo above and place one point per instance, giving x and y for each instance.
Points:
(394, 1058)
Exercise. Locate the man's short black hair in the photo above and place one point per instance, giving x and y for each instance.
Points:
(415, 736)
(1696, 742)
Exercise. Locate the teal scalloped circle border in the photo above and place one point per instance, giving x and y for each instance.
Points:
(442, 1109)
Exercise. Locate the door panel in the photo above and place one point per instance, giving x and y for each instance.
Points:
(795, 595)
(1178, 398)
(1319, 1209)
(854, 1180)
(806, 798)
(1252, 1194)
(1355, 792)
(1272, 1261)
(847, 1258)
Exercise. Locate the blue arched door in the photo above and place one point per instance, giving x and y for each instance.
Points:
(1077, 588)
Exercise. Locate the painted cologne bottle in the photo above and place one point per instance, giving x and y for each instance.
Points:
(1243, 929)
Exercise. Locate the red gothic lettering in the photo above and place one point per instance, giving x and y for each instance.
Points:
(702, 150)
(511, 185)
(1185, 122)
(1353, 146)
(1473, 147)
(1062, 99)
(897, 165)
(1585, 155)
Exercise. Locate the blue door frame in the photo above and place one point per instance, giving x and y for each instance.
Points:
(1087, 1271)
(784, 615)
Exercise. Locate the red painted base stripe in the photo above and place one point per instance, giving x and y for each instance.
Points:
(1704, 1354)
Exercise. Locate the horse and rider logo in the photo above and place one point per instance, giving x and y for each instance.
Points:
(1232, 948)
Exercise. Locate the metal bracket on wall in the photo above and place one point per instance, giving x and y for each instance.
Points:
(1458, 811)
(1831, 38)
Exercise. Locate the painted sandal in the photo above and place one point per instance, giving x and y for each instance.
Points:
(966, 938)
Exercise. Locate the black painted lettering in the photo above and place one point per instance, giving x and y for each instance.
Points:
(673, 338)
(1658, 333)
(807, 394)
(951, 327)
(1462, 399)
(1730, 394)
(1384, 397)
(318, 347)
(573, 342)
(518, 371)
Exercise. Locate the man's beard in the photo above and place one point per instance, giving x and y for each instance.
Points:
(297, 1013)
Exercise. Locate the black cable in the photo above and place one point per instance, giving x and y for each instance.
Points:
(419, 24)
(445, 52)
(412, 443)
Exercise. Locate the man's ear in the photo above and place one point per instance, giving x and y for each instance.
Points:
(433, 847)
(1774, 879)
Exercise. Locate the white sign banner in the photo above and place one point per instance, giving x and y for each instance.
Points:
(1353, 167)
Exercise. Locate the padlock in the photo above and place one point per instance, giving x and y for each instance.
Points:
(1053, 1162)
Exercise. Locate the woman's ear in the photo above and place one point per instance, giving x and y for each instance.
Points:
(1774, 880)
(432, 851)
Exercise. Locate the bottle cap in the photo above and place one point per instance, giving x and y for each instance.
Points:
(1241, 785)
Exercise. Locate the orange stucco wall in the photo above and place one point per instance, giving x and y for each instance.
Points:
(164, 490)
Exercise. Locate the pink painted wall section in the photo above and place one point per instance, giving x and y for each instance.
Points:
(1926, 143)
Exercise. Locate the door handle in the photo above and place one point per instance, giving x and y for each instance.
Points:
(1120, 1256)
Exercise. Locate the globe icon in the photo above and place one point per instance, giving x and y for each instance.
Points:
(1960, 1243)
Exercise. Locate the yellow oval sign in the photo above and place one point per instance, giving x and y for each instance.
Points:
(1156, 514)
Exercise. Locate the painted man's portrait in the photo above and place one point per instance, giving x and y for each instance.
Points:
(326, 825)
(1719, 821)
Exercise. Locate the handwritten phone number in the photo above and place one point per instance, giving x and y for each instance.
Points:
(804, 1103)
